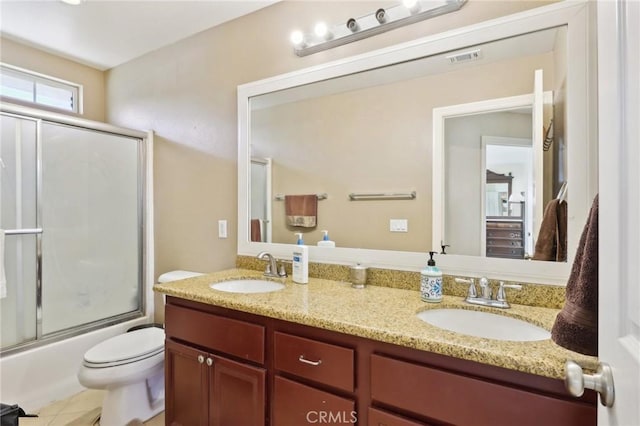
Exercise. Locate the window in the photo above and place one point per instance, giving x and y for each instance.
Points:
(28, 86)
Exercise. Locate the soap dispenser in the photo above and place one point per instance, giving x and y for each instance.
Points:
(300, 261)
(326, 242)
(431, 281)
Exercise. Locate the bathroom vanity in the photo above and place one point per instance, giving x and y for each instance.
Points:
(327, 353)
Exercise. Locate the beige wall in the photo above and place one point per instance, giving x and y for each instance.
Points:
(186, 92)
(91, 79)
(377, 139)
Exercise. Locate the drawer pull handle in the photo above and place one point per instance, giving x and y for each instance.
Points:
(306, 361)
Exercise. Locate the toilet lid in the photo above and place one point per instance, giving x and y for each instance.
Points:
(135, 345)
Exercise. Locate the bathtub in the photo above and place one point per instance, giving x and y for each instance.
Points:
(37, 377)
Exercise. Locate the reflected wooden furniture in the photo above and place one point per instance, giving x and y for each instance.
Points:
(505, 237)
(505, 234)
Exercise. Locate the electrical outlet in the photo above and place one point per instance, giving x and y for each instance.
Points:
(222, 229)
(398, 225)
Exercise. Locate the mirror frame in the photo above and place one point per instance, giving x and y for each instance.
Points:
(580, 129)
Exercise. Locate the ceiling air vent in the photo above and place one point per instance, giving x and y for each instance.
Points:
(471, 55)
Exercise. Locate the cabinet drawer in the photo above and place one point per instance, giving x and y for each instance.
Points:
(382, 418)
(504, 225)
(506, 251)
(321, 362)
(504, 233)
(297, 404)
(504, 242)
(217, 333)
(461, 400)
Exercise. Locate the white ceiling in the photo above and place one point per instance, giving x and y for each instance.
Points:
(107, 33)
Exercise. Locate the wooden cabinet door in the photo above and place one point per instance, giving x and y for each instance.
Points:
(297, 404)
(236, 393)
(185, 386)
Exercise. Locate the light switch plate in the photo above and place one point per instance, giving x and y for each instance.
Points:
(398, 225)
(222, 229)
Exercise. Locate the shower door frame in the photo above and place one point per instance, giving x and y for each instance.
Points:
(142, 139)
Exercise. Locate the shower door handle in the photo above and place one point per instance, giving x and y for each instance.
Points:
(27, 231)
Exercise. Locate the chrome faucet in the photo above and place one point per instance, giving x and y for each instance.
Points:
(271, 269)
(485, 298)
(485, 290)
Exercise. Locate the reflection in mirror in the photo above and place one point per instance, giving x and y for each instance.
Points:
(495, 143)
(375, 123)
(371, 133)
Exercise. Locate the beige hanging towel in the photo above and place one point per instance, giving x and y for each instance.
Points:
(301, 210)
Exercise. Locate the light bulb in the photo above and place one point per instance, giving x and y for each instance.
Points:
(412, 5)
(297, 38)
(352, 25)
(321, 30)
(381, 16)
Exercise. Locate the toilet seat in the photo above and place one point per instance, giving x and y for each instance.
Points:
(126, 348)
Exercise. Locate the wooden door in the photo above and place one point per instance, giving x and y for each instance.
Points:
(185, 385)
(236, 393)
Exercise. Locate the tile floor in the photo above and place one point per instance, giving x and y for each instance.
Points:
(82, 409)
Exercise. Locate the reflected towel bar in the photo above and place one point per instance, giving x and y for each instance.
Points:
(23, 231)
(383, 196)
(323, 196)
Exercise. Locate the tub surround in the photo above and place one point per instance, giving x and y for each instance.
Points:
(386, 314)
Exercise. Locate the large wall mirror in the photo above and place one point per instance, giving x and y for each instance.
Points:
(444, 141)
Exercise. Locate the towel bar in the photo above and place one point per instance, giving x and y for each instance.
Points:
(323, 196)
(23, 231)
(383, 196)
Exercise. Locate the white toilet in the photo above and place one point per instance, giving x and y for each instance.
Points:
(130, 367)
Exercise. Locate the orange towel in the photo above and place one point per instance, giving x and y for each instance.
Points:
(256, 233)
(552, 237)
(576, 326)
(301, 210)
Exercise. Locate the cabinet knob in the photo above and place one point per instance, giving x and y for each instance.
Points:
(602, 382)
(209, 362)
(200, 359)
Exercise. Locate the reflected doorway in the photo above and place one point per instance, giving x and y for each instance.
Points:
(509, 196)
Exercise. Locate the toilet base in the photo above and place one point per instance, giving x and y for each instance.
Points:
(140, 400)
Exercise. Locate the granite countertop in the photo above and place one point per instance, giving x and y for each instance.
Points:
(387, 315)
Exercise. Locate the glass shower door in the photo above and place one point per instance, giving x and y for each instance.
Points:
(91, 217)
(18, 181)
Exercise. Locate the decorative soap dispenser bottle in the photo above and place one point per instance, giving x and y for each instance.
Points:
(431, 281)
(300, 261)
(326, 242)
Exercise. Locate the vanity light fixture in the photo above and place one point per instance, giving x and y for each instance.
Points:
(380, 21)
(72, 2)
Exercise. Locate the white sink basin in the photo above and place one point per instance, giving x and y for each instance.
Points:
(247, 286)
(484, 324)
